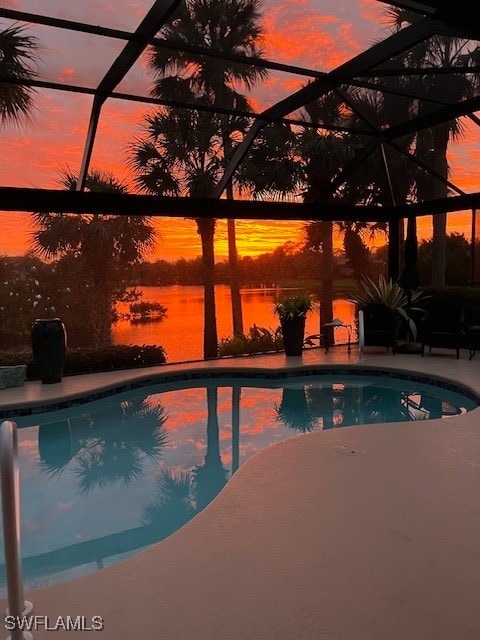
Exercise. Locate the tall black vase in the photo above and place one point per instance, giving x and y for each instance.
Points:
(49, 346)
(293, 331)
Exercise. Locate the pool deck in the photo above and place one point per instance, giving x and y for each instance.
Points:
(368, 533)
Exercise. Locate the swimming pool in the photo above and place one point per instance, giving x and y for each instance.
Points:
(103, 480)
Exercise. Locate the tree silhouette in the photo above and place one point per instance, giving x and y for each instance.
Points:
(126, 436)
(109, 446)
(18, 54)
(294, 412)
(431, 145)
(231, 26)
(211, 476)
(98, 248)
(182, 494)
(173, 504)
(178, 154)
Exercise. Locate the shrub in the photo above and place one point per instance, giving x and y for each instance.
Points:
(258, 340)
(465, 297)
(91, 359)
(146, 312)
(458, 260)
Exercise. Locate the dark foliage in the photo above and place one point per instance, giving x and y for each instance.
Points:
(91, 360)
(288, 262)
(465, 297)
(458, 260)
(258, 340)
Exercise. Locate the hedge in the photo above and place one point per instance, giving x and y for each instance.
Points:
(92, 360)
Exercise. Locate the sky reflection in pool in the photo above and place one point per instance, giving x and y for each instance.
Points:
(103, 480)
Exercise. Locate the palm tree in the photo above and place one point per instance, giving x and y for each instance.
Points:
(211, 476)
(178, 154)
(236, 395)
(17, 60)
(173, 504)
(100, 247)
(56, 446)
(109, 446)
(294, 412)
(117, 442)
(182, 494)
(319, 237)
(355, 241)
(291, 164)
(432, 144)
(231, 26)
(322, 405)
(302, 162)
(382, 177)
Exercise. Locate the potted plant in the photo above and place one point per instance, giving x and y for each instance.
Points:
(391, 295)
(292, 313)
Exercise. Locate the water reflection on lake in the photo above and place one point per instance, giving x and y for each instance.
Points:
(181, 332)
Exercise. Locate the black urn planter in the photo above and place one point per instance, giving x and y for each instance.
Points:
(293, 331)
(49, 346)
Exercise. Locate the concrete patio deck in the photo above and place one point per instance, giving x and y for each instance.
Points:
(367, 533)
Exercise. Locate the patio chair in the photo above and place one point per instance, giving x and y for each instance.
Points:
(442, 327)
(379, 326)
(472, 330)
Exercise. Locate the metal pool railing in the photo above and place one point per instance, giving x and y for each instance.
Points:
(361, 336)
(10, 487)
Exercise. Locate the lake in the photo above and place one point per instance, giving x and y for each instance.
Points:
(181, 332)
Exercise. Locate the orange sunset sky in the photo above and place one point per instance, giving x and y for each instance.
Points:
(318, 34)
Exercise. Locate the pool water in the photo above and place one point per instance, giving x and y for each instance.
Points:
(103, 480)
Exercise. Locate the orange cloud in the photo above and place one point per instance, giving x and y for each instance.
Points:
(295, 32)
(300, 35)
(372, 10)
(294, 84)
(28, 446)
(66, 75)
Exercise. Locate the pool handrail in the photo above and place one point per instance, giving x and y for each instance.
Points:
(361, 336)
(10, 495)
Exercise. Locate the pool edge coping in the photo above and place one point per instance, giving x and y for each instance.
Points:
(127, 380)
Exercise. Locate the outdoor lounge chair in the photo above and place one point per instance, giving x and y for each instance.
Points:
(472, 330)
(442, 326)
(379, 326)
